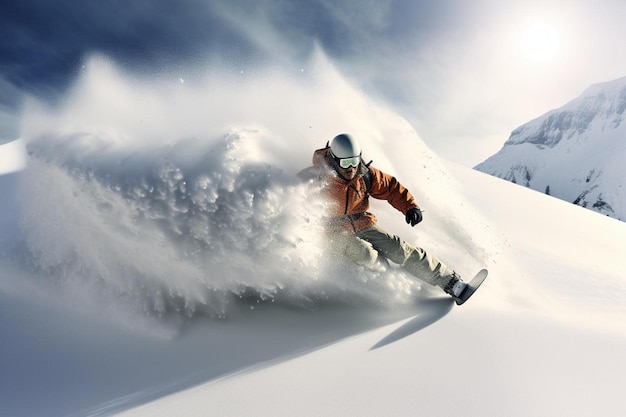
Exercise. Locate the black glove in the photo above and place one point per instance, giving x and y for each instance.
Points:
(414, 216)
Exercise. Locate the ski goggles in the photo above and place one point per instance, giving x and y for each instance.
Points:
(346, 163)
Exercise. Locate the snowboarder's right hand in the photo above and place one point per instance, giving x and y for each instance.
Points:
(414, 216)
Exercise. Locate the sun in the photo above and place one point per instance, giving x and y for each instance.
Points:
(540, 42)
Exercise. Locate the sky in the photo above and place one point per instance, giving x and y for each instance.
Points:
(464, 74)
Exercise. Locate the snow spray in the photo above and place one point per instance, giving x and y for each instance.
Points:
(170, 196)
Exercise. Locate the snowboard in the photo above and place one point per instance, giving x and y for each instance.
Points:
(472, 286)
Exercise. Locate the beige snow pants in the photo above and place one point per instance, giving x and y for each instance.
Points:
(366, 246)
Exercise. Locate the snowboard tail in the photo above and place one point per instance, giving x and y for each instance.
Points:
(472, 286)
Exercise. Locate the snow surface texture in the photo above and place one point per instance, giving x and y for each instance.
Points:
(147, 206)
(12, 158)
(575, 152)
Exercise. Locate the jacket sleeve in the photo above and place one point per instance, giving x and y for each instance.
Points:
(309, 174)
(317, 170)
(387, 187)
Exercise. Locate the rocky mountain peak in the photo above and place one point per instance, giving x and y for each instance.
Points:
(575, 152)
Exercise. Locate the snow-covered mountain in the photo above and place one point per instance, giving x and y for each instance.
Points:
(574, 153)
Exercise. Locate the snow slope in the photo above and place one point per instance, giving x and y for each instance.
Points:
(544, 337)
(133, 285)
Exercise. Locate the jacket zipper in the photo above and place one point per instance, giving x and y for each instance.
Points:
(345, 211)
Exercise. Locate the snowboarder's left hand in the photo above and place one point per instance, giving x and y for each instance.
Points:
(414, 216)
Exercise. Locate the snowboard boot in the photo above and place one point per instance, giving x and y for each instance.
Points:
(455, 286)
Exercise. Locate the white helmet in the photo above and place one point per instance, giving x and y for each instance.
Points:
(344, 146)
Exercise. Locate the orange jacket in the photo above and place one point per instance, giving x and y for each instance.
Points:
(350, 199)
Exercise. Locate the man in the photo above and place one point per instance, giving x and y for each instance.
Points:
(348, 183)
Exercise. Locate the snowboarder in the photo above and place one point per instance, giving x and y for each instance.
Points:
(347, 182)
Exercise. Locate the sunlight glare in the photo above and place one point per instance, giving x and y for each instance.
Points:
(540, 42)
